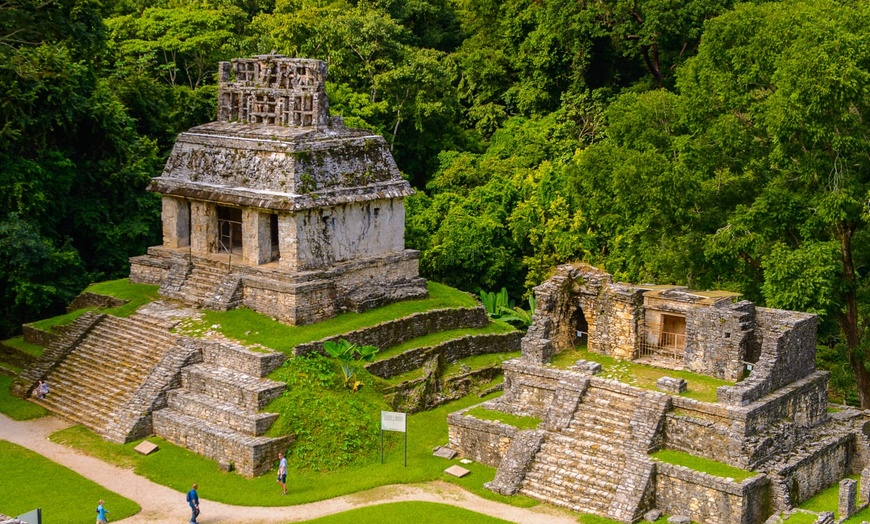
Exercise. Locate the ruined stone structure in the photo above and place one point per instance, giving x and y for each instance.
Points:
(279, 207)
(591, 451)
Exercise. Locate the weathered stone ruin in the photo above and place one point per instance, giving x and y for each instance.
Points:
(591, 451)
(279, 207)
(276, 207)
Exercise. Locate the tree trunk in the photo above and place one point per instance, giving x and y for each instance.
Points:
(848, 319)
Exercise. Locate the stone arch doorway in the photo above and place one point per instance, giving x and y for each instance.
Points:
(580, 328)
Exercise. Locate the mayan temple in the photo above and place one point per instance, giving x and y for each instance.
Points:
(278, 207)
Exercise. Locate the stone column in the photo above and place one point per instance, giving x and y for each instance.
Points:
(256, 238)
(203, 227)
(865, 486)
(847, 506)
(176, 222)
(288, 244)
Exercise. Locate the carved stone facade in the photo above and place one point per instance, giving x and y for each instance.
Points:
(592, 451)
(280, 208)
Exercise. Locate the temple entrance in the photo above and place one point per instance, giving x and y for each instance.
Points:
(229, 230)
(581, 328)
(665, 340)
(273, 236)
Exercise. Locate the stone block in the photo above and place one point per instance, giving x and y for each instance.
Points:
(225, 465)
(146, 448)
(672, 385)
(457, 471)
(679, 519)
(652, 515)
(444, 452)
(847, 505)
(587, 367)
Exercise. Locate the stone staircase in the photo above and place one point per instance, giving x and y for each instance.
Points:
(203, 283)
(580, 466)
(216, 411)
(97, 379)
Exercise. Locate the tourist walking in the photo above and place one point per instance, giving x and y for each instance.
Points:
(282, 472)
(101, 513)
(193, 500)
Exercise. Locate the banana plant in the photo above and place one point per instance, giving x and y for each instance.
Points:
(347, 354)
(518, 315)
(495, 302)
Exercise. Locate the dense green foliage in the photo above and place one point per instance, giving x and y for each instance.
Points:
(705, 143)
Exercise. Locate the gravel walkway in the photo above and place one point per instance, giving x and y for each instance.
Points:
(162, 504)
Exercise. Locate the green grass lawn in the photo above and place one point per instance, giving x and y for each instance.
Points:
(176, 467)
(802, 518)
(433, 339)
(700, 387)
(711, 467)
(408, 513)
(29, 481)
(15, 408)
(828, 500)
(251, 327)
(136, 296)
(512, 420)
(18, 343)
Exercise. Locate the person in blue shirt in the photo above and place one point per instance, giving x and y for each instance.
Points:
(193, 500)
(282, 472)
(101, 513)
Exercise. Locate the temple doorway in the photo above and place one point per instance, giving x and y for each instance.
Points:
(229, 230)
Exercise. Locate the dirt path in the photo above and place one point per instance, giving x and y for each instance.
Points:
(162, 504)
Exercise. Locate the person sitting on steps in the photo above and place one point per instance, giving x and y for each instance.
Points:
(41, 390)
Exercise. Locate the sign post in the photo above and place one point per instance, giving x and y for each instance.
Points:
(394, 421)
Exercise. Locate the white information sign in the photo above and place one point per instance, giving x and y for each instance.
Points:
(393, 421)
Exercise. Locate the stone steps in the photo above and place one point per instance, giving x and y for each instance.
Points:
(230, 386)
(250, 455)
(574, 501)
(225, 414)
(92, 384)
(581, 466)
(202, 283)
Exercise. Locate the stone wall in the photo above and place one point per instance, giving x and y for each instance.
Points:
(395, 332)
(614, 327)
(814, 472)
(718, 339)
(236, 357)
(37, 336)
(705, 498)
(484, 441)
(788, 350)
(149, 269)
(706, 430)
(87, 299)
(251, 456)
(15, 357)
(530, 390)
(451, 351)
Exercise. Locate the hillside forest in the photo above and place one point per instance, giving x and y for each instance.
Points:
(707, 143)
